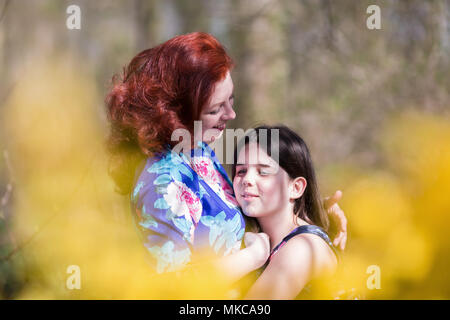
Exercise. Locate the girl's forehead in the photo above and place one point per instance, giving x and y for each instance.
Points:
(252, 153)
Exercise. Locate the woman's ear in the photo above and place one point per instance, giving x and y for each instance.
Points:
(297, 187)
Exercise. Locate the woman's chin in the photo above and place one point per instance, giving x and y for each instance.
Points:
(218, 136)
(213, 138)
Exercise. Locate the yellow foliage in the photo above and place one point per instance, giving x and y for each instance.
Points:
(376, 205)
(397, 215)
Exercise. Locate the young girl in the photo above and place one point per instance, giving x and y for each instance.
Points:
(283, 197)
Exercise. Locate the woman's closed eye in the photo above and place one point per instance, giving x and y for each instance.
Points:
(216, 111)
(222, 105)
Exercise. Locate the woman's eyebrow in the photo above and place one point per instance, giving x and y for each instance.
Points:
(220, 102)
(215, 104)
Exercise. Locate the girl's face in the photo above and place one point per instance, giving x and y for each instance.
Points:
(261, 186)
(219, 110)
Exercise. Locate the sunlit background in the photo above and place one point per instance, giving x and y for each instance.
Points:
(373, 105)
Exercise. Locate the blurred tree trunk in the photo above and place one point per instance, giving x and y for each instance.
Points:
(258, 40)
(444, 24)
(193, 15)
(7, 46)
(145, 23)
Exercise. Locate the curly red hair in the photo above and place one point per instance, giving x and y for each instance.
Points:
(162, 89)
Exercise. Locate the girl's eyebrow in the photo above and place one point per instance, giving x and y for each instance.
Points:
(257, 164)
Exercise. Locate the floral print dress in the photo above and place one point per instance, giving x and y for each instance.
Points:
(185, 204)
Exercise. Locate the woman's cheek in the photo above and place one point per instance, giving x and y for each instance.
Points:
(235, 185)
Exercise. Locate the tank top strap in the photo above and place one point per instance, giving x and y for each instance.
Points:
(304, 229)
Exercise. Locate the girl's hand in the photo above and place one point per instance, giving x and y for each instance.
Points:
(259, 245)
(337, 216)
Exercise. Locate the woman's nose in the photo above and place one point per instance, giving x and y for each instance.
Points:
(230, 114)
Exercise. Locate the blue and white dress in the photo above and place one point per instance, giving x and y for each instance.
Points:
(182, 205)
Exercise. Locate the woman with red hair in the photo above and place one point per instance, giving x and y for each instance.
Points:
(182, 202)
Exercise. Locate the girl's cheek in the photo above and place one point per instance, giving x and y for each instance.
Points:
(236, 184)
(270, 187)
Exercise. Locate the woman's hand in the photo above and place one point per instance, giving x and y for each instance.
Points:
(259, 245)
(236, 265)
(336, 214)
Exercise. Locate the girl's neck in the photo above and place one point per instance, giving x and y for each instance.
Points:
(278, 226)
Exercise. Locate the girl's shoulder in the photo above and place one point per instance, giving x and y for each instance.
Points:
(306, 244)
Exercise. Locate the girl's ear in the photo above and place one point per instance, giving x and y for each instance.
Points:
(297, 187)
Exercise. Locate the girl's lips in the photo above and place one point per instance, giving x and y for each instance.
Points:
(249, 196)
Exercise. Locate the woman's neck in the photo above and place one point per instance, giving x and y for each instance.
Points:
(277, 226)
(185, 147)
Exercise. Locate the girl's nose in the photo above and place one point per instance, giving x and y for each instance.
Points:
(248, 180)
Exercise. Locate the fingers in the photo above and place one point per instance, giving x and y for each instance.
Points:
(340, 240)
(338, 216)
(342, 221)
(252, 237)
(264, 235)
(266, 240)
(249, 234)
(344, 241)
(337, 240)
(249, 238)
(330, 201)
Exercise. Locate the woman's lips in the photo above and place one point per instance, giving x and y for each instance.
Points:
(221, 127)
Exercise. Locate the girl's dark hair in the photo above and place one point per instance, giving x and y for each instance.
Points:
(162, 89)
(294, 158)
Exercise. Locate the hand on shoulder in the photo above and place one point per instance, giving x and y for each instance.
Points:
(259, 245)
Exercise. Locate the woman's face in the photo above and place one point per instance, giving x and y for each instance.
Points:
(261, 186)
(218, 111)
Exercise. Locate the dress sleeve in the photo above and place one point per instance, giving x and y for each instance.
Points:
(166, 211)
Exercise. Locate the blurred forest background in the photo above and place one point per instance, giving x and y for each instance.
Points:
(373, 105)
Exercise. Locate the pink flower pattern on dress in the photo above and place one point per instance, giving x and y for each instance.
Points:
(204, 167)
(183, 201)
(228, 191)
